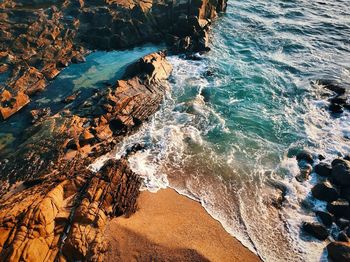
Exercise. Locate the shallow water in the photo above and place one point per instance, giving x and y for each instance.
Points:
(232, 121)
(100, 69)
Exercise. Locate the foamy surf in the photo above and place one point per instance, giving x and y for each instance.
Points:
(225, 128)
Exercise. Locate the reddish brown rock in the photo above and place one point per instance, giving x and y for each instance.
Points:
(10, 104)
(50, 200)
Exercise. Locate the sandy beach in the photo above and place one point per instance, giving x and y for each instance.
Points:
(171, 227)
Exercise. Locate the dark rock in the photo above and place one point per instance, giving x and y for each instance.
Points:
(347, 157)
(341, 172)
(337, 161)
(333, 86)
(345, 193)
(134, 148)
(316, 230)
(342, 223)
(336, 108)
(323, 169)
(339, 208)
(340, 100)
(342, 237)
(306, 156)
(321, 157)
(325, 191)
(326, 218)
(339, 251)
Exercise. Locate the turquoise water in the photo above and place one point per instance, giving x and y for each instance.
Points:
(231, 120)
(99, 70)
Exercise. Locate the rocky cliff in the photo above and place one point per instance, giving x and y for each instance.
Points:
(52, 205)
(39, 38)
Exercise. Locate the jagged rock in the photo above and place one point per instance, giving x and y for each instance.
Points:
(326, 218)
(316, 230)
(10, 104)
(47, 37)
(325, 191)
(341, 172)
(40, 114)
(58, 189)
(339, 251)
(323, 169)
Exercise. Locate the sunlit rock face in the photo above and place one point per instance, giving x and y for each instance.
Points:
(39, 38)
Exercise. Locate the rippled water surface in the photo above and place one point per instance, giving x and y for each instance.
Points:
(231, 121)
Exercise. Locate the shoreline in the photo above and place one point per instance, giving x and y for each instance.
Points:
(160, 229)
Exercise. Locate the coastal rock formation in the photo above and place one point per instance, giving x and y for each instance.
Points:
(40, 38)
(52, 205)
(333, 188)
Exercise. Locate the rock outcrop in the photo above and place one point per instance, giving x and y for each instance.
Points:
(52, 205)
(39, 38)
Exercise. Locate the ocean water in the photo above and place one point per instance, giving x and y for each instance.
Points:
(227, 130)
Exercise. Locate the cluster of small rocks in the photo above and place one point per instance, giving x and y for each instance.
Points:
(338, 102)
(334, 188)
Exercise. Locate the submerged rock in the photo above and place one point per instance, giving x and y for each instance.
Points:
(341, 172)
(316, 230)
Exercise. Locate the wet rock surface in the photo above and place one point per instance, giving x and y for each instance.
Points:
(332, 187)
(39, 38)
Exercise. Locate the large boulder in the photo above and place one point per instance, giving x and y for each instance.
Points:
(316, 230)
(325, 191)
(339, 251)
(341, 172)
(326, 218)
(323, 169)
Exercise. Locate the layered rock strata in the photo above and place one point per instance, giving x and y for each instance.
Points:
(52, 205)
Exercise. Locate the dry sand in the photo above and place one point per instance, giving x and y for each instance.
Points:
(172, 227)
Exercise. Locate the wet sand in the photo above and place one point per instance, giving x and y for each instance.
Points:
(172, 227)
